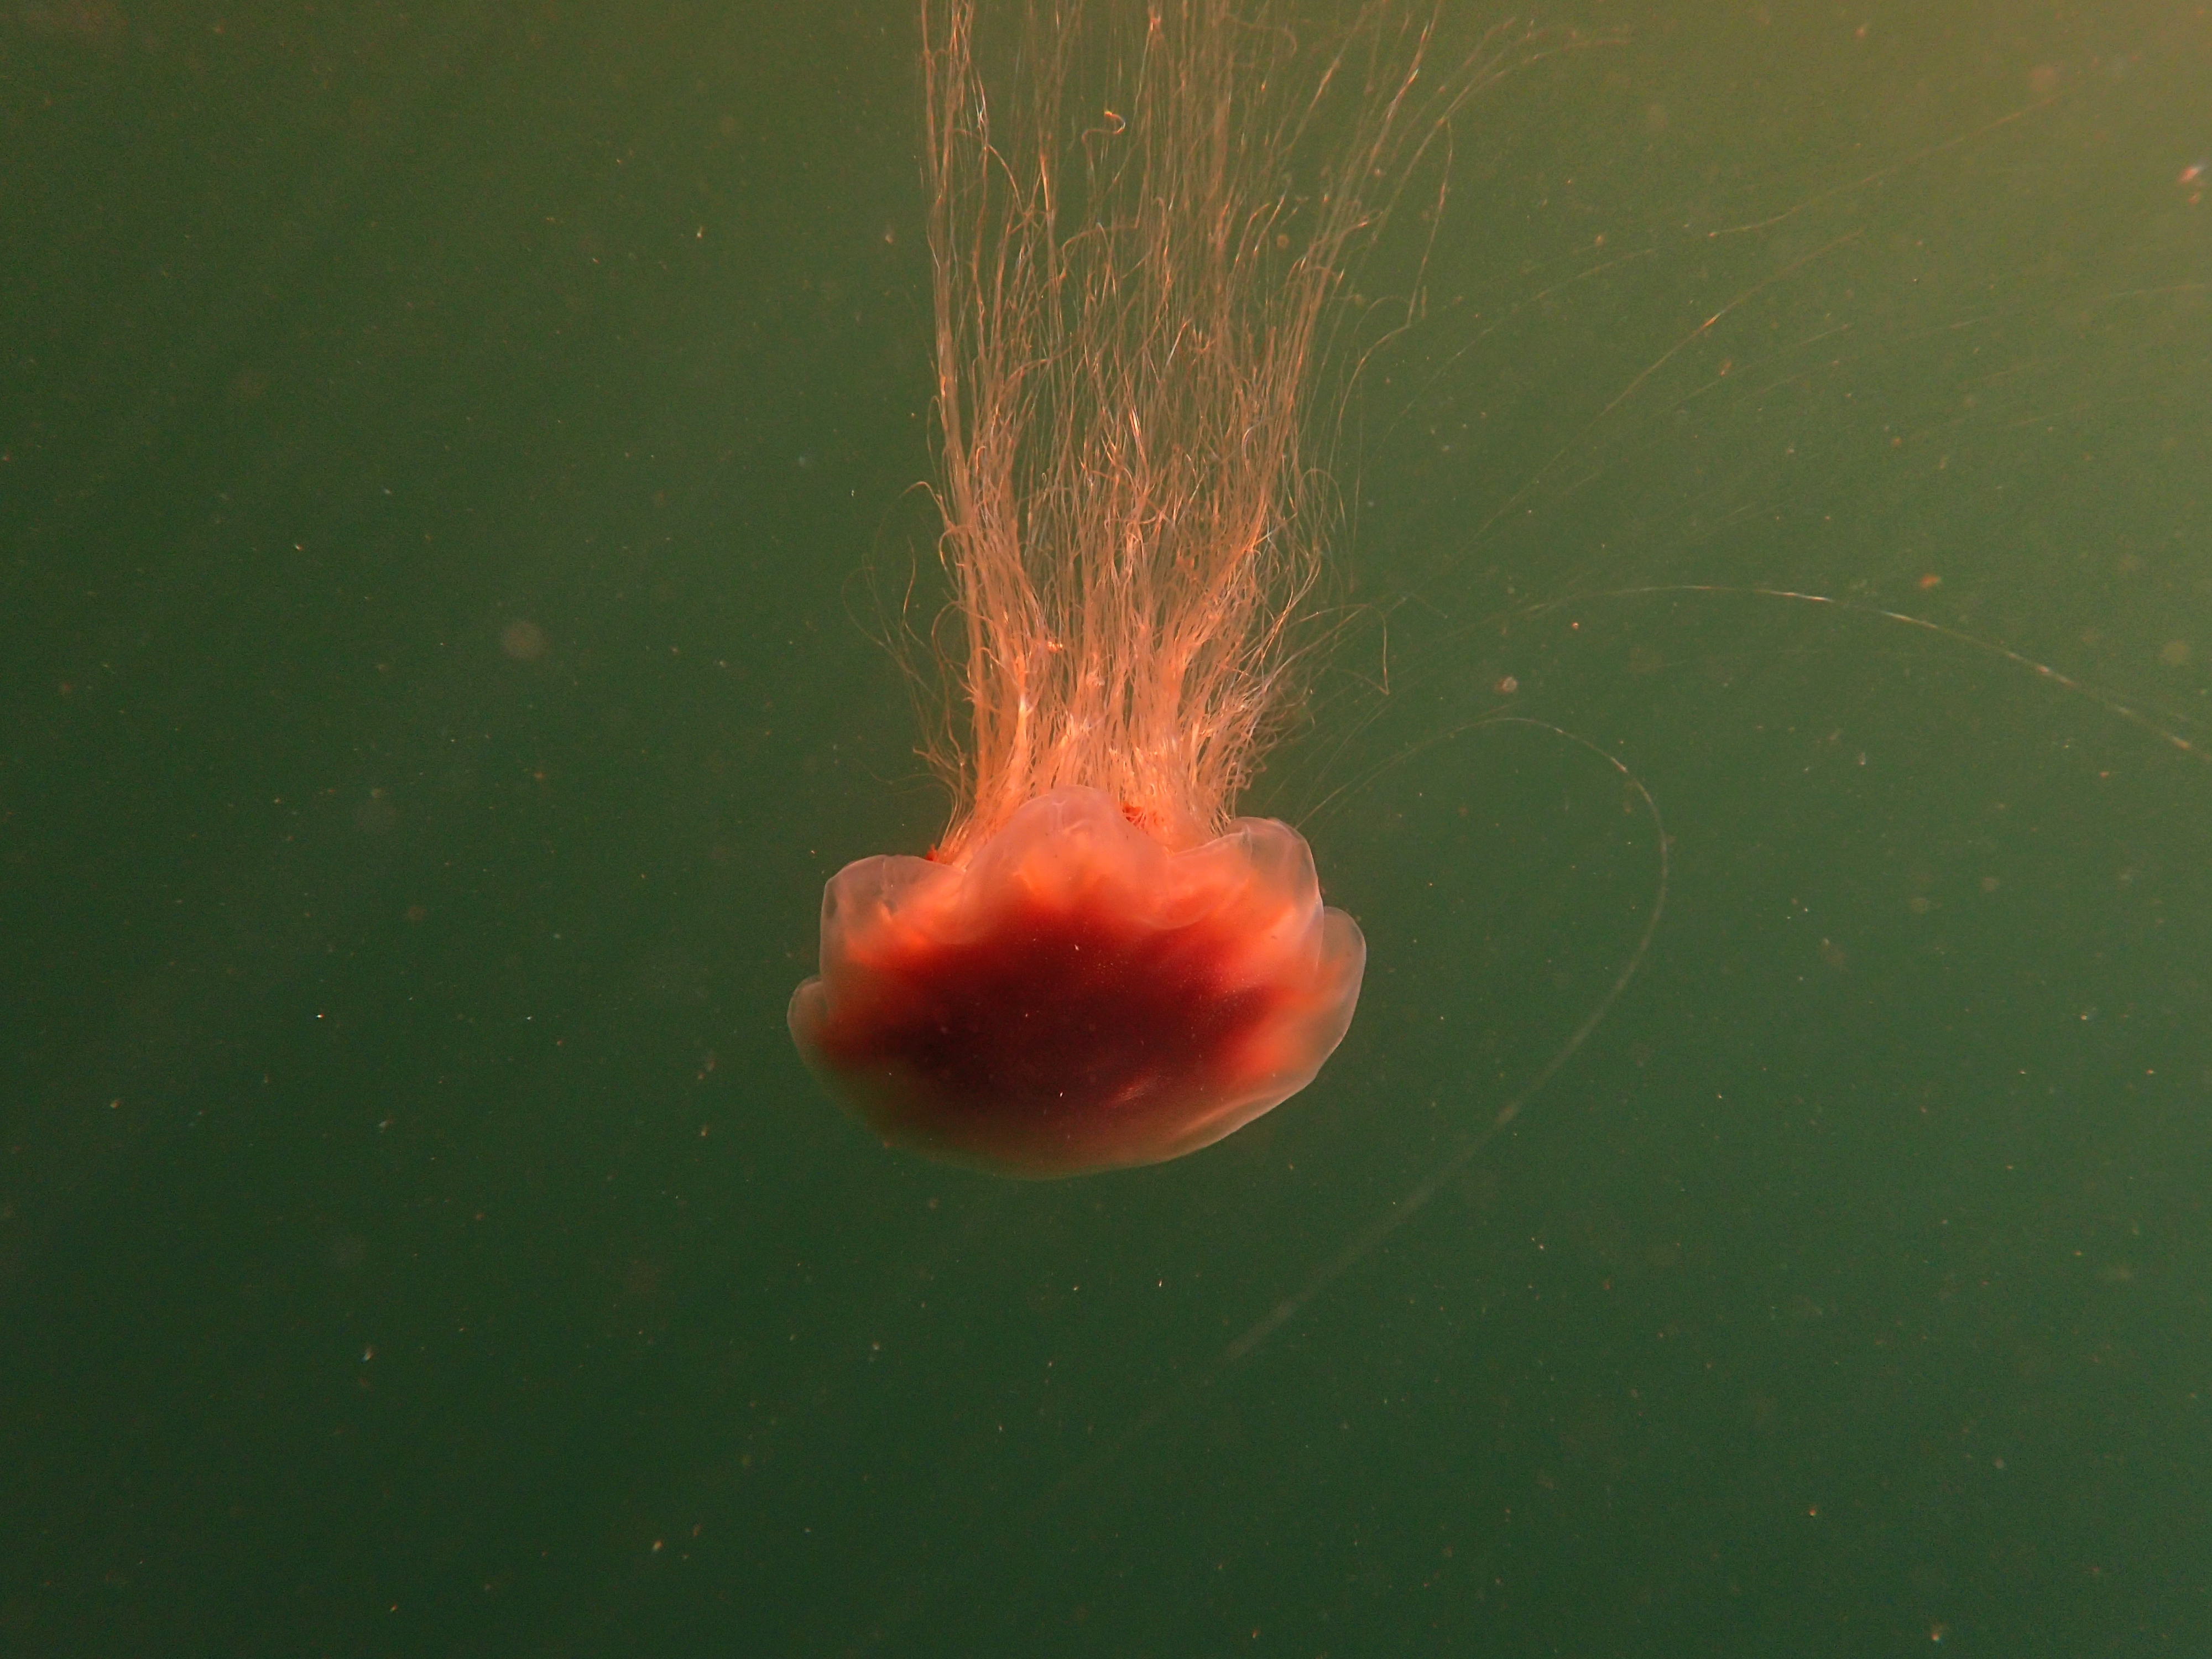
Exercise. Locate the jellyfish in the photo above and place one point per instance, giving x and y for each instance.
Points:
(1100, 964)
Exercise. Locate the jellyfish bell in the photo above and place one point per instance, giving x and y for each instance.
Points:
(1077, 995)
(1101, 964)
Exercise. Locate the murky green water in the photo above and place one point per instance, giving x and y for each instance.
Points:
(442, 457)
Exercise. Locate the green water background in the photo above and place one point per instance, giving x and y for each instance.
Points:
(441, 455)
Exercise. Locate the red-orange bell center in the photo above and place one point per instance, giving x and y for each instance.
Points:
(1076, 997)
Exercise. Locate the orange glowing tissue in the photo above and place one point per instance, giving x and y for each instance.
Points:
(1099, 965)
